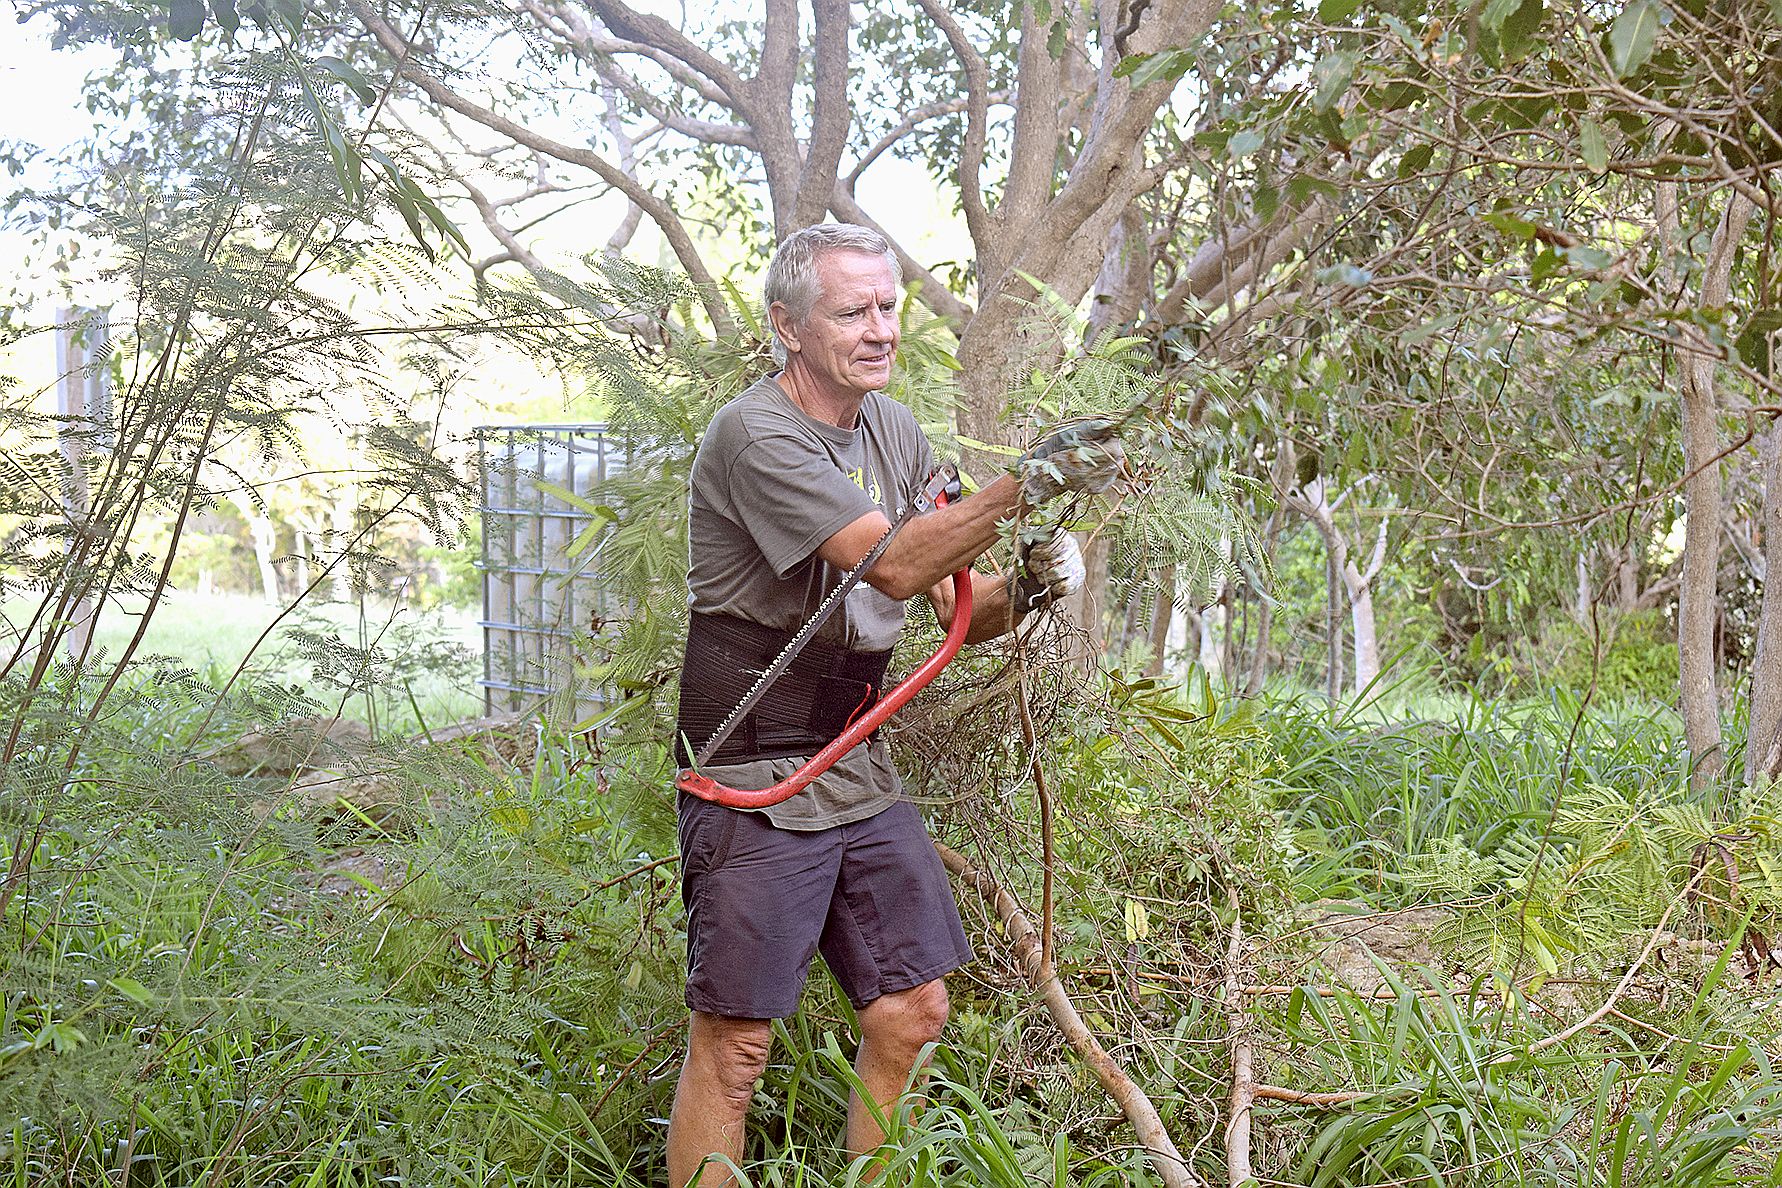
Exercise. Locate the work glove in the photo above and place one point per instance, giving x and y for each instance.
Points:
(1081, 457)
(1050, 569)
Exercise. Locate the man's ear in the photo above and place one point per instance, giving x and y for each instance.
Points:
(783, 324)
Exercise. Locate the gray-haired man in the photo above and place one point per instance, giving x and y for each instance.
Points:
(795, 480)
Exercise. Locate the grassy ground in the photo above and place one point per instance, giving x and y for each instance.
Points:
(431, 654)
(482, 988)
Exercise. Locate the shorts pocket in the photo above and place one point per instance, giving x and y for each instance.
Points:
(705, 832)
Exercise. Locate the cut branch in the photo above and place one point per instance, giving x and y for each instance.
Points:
(1025, 947)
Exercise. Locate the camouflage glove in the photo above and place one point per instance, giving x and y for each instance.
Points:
(1050, 569)
(1081, 457)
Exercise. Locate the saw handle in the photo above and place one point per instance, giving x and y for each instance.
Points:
(706, 788)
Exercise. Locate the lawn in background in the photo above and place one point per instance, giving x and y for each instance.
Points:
(433, 655)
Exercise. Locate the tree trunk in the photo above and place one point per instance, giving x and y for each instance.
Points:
(1333, 632)
(1763, 745)
(72, 389)
(265, 534)
(1313, 502)
(1162, 615)
(1367, 641)
(1698, 598)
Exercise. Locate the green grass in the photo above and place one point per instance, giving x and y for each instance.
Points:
(185, 1000)
(212, 632)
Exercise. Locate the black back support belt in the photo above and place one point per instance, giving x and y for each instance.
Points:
(826, 687)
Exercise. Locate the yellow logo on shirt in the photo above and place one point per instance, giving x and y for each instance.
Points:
(859, 478)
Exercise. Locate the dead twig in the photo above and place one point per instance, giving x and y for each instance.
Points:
(1025, 946)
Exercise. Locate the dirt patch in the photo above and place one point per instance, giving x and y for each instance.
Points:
(1348, 943)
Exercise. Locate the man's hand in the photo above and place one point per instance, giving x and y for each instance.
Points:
(1081, 457)
(1050, 570)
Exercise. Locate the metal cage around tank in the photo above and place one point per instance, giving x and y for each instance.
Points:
(539, 602)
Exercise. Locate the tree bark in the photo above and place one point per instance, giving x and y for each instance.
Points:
(1162, 615)
(1763, 745)
(1698, 596)
(1313, 502)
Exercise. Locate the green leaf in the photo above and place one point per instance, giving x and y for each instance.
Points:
(1519, 30)
(1756, 341)
(1343, 274)
(1545, 265)
(1593, 146)
(349, 75)
(1512, 225)
(1332, 11)
(1143, 71)
(1266, 202)
(1333, 74)
(227, 18)
(1587, 257)
(1301, 188)
(1138, 921)
(1430, 329)
(1416, 161)
(185, 19)
(1244, 143)
(986, 447)
(130, 988)
(1632, 33)
(1497, 12)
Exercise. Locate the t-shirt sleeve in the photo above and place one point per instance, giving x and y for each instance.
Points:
(791, 498)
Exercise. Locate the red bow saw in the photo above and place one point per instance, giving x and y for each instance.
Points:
(693, 783)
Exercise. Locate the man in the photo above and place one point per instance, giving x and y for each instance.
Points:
(794, 482)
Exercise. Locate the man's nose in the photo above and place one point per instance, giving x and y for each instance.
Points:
(882, 325)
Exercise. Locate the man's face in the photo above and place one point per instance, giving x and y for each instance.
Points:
(849, 339)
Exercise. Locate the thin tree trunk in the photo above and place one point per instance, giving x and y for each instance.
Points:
(265, 534)
(1162, 615)
(1698, 600)
(72, 390)
(1763, 746)
(1333, 629)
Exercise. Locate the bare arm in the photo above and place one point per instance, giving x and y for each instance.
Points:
(930, 548)
(990, 606)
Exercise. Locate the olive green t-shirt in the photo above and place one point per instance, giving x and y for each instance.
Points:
(769, 486)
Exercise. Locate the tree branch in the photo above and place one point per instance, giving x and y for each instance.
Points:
(1033, 153)
(574, 29)
(829, 112)
(657, 33)
(914, 119)
(1025, 947)
(977, 108)
(935, 295)
(658, 210)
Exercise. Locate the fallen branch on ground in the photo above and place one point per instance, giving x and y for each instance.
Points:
(1025, 944)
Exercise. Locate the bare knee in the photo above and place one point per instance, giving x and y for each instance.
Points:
(907, 1019)
(732, 1052)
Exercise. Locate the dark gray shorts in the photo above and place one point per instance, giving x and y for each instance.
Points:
(871, 896)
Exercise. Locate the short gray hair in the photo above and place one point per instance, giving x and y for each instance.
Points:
(792, 274)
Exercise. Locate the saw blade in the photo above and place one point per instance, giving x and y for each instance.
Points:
(825, 609)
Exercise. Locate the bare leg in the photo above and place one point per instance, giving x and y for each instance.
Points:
(893, 1030)
(724, 1056)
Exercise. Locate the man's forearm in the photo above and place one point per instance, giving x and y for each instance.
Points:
(932, 547)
